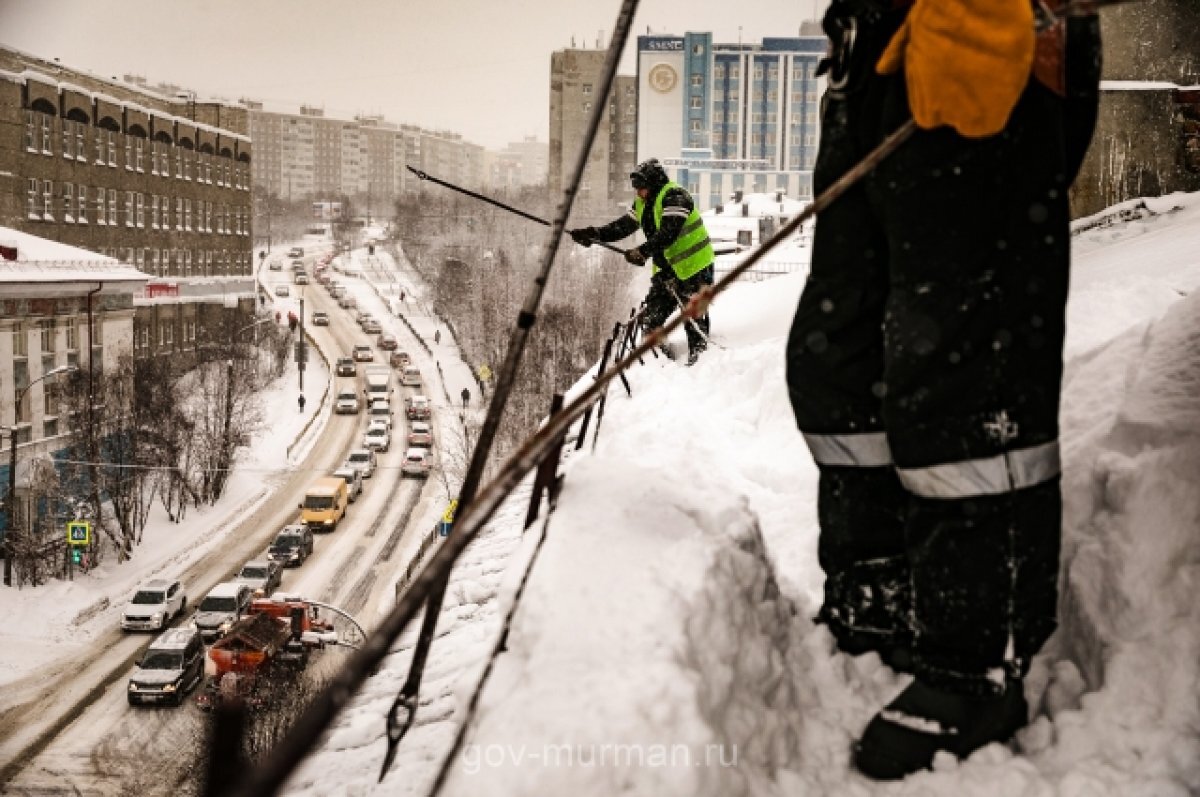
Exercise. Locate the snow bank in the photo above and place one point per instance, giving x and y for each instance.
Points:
(663, 645)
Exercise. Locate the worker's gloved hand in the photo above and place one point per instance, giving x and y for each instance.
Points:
(966, 62)
(584, 236)
(634, 257)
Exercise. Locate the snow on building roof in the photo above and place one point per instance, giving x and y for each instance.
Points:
(42, 260)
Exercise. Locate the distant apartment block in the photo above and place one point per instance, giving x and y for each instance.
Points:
(730, 117)
(309, 156)
(575, 76)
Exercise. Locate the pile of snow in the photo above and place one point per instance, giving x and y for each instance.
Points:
(663, 643)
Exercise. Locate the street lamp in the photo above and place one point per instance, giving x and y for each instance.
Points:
(11, 500)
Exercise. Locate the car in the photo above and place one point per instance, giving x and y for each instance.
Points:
(380, 406)
(353, 479)
(370, 325)
(346, 366)
(417, 408)
(347, 301)
(324, 278)
(410, 376)
(295, 251)
(292, 546)
(416, 463)
(387, 341)
(301, 279)
(264, 576)
(346, 402)
(337, 290)
(297, 265)
(154, 605)
(384, 421)
(170, 668)
(420, 435)
(275, 265)
(282, 290)
(321, 319)
(362, 460)
(377, 439)
(223, 606)
(362, 353)
(399, 359)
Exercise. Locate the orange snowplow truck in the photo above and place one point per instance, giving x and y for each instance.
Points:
(237, 659)
(306, 629)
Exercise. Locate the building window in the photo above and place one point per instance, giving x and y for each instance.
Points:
(101, 210)
(586, 88)
(47, 200)
(697, 80)
(187, 215)
(587, 107)
(179, 164)
(81, 206)
(162, 333)
(68, 147)
(20, 344)
(112, 148)
(719, 72)
(47, 134)
(696, 126)
(80, 141)
(758, 71)
(697, 103)
(30, 132)
(72, 336)
(154, 158)
(187, 167)
(141, 210)
(128, 208)
(112, 207)
(154, 211)
(34, 199)
(128, 153)
(179, 213)
(68, 199)
(137, 154)
(697, 49)
(735, 71)
(100, 147)
(46, 331)
(144, 337)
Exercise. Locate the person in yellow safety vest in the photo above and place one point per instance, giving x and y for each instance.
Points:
(677, 244)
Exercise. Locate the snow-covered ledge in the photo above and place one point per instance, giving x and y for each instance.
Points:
(687, 683)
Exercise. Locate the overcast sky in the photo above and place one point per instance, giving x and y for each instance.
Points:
(478, 67)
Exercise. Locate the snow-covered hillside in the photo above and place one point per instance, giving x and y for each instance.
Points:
(664, 645)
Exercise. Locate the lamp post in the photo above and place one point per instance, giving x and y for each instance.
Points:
(11, 500)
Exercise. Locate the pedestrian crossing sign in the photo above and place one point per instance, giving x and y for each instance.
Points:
(448, 516)
(79, 532)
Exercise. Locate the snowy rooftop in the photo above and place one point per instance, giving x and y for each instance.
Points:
(42, 260)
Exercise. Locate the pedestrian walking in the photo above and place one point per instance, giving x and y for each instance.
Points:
(301, 402)
(924, 362)
(677, 245)
(437, 336)
(466, 397)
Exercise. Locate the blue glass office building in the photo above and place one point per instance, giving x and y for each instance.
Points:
(730, 117)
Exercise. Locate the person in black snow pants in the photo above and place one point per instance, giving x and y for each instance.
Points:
(301, 402)
(924, 362)
(677, 245)
(466, 397)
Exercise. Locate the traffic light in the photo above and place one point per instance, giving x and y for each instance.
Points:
(76, 555)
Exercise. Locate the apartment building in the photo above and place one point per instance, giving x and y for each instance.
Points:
(159, 181)
(575, 76)
(310, 156)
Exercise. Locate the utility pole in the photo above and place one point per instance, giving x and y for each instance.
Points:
(301, 351)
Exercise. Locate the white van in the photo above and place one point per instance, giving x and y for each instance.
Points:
(410, 376)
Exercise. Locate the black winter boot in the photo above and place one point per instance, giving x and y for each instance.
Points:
(904, 737)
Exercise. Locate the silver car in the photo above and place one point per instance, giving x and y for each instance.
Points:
(362, 460)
